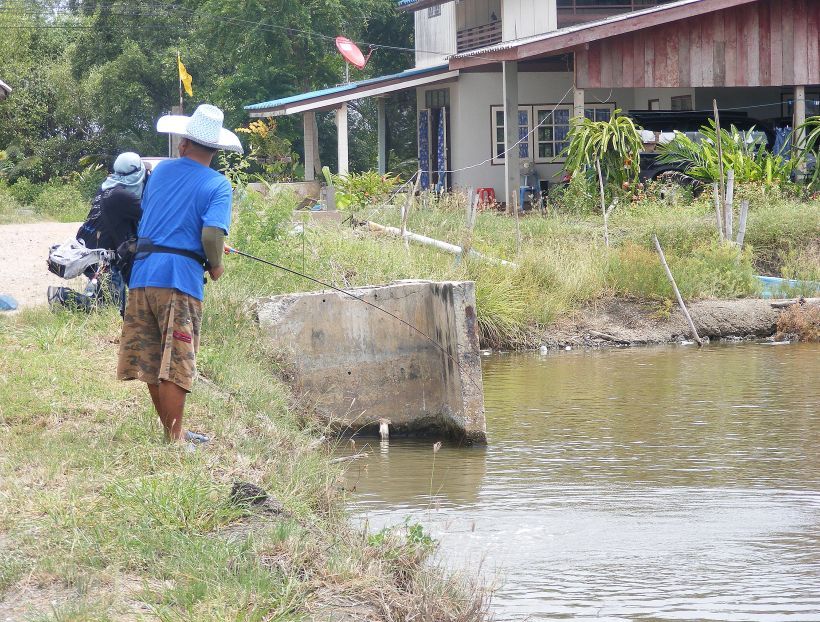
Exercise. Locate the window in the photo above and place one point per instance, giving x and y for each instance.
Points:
(543, 128)
(434, 11)
(812, 104)
(654, 104)
(551, 134)
(524, 129)
(682, 102)
(553, 125)
(438, 98)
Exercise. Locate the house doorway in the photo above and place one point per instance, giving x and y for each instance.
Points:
(434, 140)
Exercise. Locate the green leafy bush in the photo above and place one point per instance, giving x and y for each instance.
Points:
(712, 271)
(616, 144)
(62, 202)
(354, 191)
(260, 220)
(749, 159)
(25, 191)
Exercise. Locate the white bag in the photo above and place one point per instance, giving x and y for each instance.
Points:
(70, 259)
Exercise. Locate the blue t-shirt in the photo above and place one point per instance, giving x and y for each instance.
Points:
(181, 197)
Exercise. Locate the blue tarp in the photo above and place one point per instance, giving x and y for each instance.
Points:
(7, 303)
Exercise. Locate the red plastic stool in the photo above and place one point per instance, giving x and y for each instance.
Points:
(485, 196)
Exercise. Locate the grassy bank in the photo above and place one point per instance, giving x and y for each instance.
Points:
(101, 520)
(562, 263)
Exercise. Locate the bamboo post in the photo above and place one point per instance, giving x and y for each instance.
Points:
(728, 205)
(677, 291)
(720, 157)
(741, 229)
(603, 199)
(472, 204)
(405, 212)
(517, 227)
(716, 196)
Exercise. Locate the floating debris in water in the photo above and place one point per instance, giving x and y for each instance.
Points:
(568, 348)
(543, 350)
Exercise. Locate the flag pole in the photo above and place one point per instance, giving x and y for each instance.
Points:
(181, 105)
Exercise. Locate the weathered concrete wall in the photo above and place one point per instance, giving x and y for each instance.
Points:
(358, 364)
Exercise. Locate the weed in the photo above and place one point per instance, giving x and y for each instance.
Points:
(801, 321)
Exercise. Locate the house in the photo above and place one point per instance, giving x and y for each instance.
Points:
(497, 81)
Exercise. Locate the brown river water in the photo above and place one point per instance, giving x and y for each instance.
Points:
(655, 484)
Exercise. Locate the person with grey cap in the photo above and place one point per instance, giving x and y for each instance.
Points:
(113, 218)
(186, 216)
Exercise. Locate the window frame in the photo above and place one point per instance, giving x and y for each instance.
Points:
(433, 11)
(532, 131)
(494, 127)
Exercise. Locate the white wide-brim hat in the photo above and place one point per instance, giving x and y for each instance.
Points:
(203, 127)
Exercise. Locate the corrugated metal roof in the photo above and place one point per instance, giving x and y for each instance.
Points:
(508, 45)
(336, 90)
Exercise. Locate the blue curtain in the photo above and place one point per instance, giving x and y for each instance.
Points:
(441, 150)
(424, 148)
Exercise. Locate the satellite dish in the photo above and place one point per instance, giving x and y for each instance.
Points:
(351, 52)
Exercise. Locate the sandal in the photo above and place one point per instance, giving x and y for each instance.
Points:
(196, 438)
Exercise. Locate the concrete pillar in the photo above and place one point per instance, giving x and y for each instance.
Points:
(511, 165)
(799, 119)
(382, 134)
(341, 124)
(309, 121)
(173, 139)
(578, 103)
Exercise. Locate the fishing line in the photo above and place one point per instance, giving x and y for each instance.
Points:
(232, 251)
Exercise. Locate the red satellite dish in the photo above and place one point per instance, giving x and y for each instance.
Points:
(351, 52)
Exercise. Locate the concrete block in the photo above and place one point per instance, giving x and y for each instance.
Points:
(358, 365)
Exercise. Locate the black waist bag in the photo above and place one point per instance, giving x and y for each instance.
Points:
(134, 249)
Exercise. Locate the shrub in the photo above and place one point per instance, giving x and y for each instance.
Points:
(357, 190)
(749, 160)
(259, 220)
(25, 191)
(712, 271)
(802, 321)
(63, 202)
(9, 206)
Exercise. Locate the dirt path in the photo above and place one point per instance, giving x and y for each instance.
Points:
(23, 254)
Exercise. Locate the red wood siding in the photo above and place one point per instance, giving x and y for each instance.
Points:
(766, 43)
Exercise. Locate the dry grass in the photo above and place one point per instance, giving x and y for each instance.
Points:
(801, 321)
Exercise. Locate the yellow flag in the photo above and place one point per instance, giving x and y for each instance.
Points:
(185, 77)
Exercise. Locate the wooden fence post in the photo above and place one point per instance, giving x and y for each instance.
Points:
(728, 205)
(741, 229)
(716, 196)
(677, 291)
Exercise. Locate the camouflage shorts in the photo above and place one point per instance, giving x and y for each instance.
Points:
(160, 337)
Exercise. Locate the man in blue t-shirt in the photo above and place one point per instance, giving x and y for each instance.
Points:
(186, 213)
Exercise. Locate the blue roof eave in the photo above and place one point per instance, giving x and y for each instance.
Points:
(336, 90)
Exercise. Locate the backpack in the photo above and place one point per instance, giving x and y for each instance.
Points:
(90, 231)
(70, 259)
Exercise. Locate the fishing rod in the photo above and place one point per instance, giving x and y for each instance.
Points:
(229, 250)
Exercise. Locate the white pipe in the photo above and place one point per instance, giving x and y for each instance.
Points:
(444, 246)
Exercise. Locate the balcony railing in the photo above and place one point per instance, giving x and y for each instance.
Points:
(478, 36)
(571, 12)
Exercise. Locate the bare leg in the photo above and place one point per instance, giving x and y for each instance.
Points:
(169, 402)
(172, 397)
